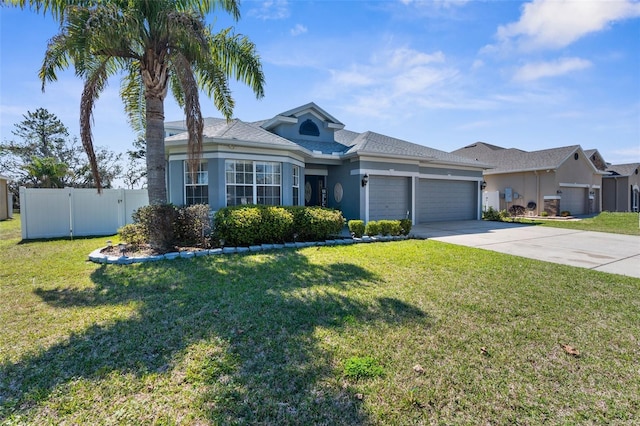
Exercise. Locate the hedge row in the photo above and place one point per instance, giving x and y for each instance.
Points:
(381, 227)
(258, 224)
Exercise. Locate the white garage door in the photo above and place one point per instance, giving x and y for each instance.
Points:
(388, 197)
(441, 200)
(574, 200)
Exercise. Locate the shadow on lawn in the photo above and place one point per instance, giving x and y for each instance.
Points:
(262, 311)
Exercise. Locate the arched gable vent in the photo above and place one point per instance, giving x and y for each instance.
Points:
(309, 128)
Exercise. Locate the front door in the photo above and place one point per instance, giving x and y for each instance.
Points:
(315, 192)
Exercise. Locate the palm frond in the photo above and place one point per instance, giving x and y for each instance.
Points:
(238, 57)
(94, 84)
(215, 84)
(132, 94)
(176, 90)
(56, 57)
(193, 114)
(232, 7)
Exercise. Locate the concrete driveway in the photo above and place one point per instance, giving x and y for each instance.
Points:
(613, 253)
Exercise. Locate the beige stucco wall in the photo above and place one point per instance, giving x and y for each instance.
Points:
(4, 208)
(535, 185)
(528, 186)
(578, 172)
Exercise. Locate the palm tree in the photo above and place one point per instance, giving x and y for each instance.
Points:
(158, 46)
(46, 172)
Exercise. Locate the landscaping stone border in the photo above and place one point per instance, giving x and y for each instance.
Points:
(97, 257)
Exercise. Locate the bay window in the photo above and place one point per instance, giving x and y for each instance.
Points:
(253, 182)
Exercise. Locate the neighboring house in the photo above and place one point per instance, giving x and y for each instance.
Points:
(6, 203)
(551, 180)
(304, 156)
(597, 159)
(621, 188)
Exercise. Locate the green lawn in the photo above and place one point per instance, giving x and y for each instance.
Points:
(411, 332)
(617, 223)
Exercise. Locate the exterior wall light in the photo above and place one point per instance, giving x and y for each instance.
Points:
(483, 185)
(365, 180)
(558, 192)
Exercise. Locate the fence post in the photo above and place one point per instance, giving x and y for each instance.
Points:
(70, 191)
(122, 208)
(23, 213)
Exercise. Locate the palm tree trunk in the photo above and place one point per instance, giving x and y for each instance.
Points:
(156, 164)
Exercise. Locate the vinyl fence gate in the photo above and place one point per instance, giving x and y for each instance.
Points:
(72, 212)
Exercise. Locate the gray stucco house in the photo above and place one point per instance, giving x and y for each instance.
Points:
(621, 188)
(305, 156)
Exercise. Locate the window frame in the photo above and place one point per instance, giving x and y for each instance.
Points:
(264, 180)
(203, 171)
(295, 184)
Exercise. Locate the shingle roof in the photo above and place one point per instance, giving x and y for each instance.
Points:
(345, 142)
(322, 147)
(375, 143)
(510, 160)
(237, 130)
(622, 169)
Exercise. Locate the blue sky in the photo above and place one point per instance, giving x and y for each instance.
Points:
(528, 75)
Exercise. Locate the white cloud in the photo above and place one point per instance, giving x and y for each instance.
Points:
(271, 9)
(404, 57)
(298, 29)
(628, 155)
(477, 64)
(352, 77)
(394, 82)
(435, 3)
(558, 23)
(481, 124)
(535, 71)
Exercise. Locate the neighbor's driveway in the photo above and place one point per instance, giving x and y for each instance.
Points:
(601, 251)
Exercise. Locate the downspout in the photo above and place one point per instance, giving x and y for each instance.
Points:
(366, 203)
(615, 195)
(537, 193)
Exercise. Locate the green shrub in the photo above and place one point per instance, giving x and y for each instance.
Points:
(134, 234)
(277, 223)
(248, 225)
(504, 215)
(193, 226)
(372, 228)
(239, 225)
(315, 223)
(362, 367)
(390, 227)
(544, 214)
(165, 226)
(157, 222)
(491, 214)
(405, 226)
(565, 213)
(356, 227)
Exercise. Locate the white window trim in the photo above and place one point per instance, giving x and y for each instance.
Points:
(254, 184)
(203, 164)
(295, 171)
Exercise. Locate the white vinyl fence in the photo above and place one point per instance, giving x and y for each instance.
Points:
(71, 212)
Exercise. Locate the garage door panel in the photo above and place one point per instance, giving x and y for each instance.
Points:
(441, 200)
(574, 200)
(388, 197)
